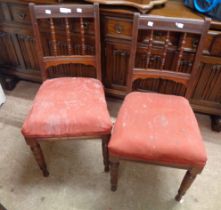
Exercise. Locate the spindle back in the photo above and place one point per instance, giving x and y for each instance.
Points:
(66, 13)
(144, 43)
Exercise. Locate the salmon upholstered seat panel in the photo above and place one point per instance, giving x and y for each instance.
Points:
(68, 107)
(159, 128)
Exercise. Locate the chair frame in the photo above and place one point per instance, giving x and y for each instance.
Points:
(165, 24)
(39, 12)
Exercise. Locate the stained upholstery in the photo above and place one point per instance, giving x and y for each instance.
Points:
(68, 107)
(158, 128)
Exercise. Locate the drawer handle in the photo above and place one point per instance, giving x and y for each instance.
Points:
(195, 43)
(86, 25)
(118, 28)
(22, 16)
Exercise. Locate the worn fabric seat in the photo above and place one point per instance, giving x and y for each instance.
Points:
(68, 107)
(158, 128)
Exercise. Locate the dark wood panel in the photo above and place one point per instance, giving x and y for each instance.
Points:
(116, 65)
(208, 88)
(28, 48)
(8, 55)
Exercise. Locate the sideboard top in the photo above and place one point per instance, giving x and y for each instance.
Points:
(173, 8)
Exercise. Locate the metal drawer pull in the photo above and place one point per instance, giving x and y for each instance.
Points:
(118, 28)
(22, 16)
(195, 43)
(86, 25)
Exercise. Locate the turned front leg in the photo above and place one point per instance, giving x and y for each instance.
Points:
(39, 157)
(186, 183)
(114, 175)
(105, 152)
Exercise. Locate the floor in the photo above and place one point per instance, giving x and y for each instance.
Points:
(77, 180)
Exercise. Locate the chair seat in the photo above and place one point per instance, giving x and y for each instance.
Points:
(68, 107)
(158, 128)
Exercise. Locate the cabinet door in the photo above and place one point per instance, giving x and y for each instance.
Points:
(116, 66)
(207, 94)
(8, 55)
(28, 49)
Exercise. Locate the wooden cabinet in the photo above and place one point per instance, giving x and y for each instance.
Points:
(207, 94)
(18, 52)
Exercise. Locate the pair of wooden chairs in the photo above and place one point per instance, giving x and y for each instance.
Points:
(150, 128)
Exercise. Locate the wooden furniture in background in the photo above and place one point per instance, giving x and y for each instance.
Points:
(64, 107)
(18, 55)
(156, 128)
(142, 5)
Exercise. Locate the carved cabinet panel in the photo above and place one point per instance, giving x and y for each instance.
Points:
(116, 65)
(27, 46)
(207, 94)
(8, 55)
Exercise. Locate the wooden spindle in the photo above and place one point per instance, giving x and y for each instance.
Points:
(83, 48)
(53, 37)
(165, 49)
(181, 49)
(68, 34)
(149, 48)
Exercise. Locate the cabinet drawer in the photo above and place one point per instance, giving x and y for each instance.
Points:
(118, 27)
(20, 13)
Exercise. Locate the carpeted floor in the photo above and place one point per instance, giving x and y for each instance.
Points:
(77, 180)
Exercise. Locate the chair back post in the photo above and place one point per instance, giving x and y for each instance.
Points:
(133, 50)
(167, 25)
(97, 41)
(66, 12)
(40, 54)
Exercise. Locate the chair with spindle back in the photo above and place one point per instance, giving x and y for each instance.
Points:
(158, 128)
(67, 107)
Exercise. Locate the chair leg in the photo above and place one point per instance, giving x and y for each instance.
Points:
(186, 183)
(39, 157)
(105, 152)
(114, 175)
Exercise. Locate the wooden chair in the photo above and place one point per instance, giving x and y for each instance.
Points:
(158, 128)
(67, 107)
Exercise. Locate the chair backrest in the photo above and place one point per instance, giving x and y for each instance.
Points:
(175, 34)
(66, 14)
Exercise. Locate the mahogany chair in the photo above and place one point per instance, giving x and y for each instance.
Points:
(158, 128)
(67, 107)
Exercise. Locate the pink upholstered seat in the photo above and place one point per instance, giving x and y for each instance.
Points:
(158, 128)
(68, 107)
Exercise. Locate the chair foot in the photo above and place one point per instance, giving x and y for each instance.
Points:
(105, 152)
(186, 183)
(106, 169)
(114, 175)
(45, 172)
(178, 197)
(113, 188)
(39, 157)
